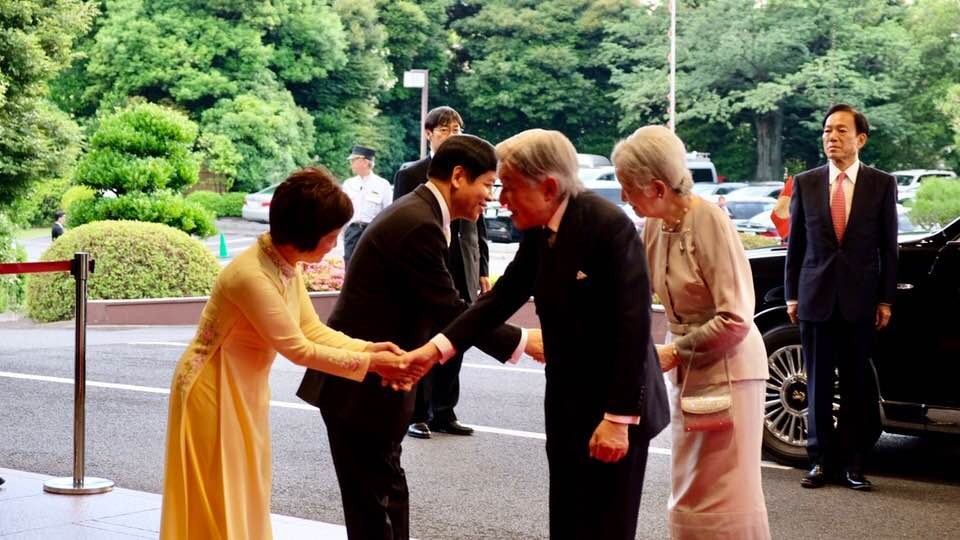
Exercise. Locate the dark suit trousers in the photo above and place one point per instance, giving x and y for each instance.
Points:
(438, 392)
(590, 499)
(845, 348)
(373, 485)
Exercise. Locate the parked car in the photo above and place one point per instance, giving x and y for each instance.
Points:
(915, 358)
(712, 192)
(500, 227)
(741, 210)
(908, 182)
(701, 168)
(761, 224)
(758, 189)
(605, 173)
(256, 206)
(592, 161)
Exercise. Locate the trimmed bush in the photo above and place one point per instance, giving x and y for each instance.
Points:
(755, 241)
(12, 286)
(162, 207)
(937, 202)
(133, 260)
(144, 147)
(231, 204)
(74, 194)
(207, 199)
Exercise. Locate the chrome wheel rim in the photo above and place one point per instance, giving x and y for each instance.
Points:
(785, 409)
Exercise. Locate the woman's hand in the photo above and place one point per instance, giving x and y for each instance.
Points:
(668, 357)
(384, 346)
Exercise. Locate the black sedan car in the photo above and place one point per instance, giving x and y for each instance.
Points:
(916, 359)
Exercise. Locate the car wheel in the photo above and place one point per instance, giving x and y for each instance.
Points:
(785, 405)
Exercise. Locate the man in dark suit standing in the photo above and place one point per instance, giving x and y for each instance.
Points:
(840, 281)
(583, 262)
(398, 288)
(439, 391)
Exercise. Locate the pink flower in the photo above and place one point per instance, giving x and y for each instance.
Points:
(326, 275)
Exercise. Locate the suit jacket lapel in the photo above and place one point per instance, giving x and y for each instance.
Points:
(861, 192)
(563, 259)
(824, 202)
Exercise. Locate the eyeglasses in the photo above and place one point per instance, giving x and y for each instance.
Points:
(448, 130)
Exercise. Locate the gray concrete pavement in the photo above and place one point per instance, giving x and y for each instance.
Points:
(491, 485)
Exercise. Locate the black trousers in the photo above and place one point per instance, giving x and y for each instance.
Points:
(590, 499)
(841, 347)
(373, 486)
(438, 392)
(351, 235)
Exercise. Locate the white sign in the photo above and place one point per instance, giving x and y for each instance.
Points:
(414, 78)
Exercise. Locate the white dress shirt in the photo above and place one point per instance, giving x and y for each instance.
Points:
(447, 351)
(369, 194)
(848, 183)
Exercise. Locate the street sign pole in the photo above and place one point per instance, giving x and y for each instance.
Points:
(420, 78)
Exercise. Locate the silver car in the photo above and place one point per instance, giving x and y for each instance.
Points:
(256, 206)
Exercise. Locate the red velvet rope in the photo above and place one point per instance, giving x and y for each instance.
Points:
(35, 267)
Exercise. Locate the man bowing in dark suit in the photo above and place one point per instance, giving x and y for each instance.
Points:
(398, 285)
(439, 391)
(583, 262)
(840, 280)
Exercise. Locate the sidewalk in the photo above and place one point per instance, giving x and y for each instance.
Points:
(29, 513)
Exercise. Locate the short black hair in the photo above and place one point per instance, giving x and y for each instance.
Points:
(307, 206)
(474, 154)
(859, 119)
(441, 116)
(59, 214)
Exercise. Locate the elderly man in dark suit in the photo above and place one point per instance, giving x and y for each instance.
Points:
(439, 392)
(840, 281)
(583, 262)
(399, 289)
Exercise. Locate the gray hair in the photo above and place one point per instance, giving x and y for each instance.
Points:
(539, 153)
(653, 152)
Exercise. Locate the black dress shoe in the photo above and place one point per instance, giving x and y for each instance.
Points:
(856, 481)
(420, 430)
(453, 427)
(815, 477)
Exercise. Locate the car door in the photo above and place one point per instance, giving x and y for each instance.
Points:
(944, 335)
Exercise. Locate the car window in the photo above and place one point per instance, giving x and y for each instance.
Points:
(723, 190)
(702, 175)
(903, 179)
(747, 209)
(924, 177)
(611, 194)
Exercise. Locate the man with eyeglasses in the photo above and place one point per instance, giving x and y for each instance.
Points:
(468, 261)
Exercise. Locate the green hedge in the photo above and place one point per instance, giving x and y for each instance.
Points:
(755, 241)
(133, 260)
(226, 205)
(937, 202)
(35, 206)
(161, 207)
(12, 287)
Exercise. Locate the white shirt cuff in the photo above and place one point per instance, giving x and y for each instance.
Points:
(792, 302)
(621, 419)
(446, 348)
(518, 352)
(447, 351)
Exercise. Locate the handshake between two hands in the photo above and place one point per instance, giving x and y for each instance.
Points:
(401, 369)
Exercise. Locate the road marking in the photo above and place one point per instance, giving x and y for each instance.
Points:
(305, 407)
(475, 366)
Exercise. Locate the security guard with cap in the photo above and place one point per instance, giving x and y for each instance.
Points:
(369, 194)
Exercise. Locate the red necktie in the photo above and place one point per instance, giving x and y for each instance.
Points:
(838, 207)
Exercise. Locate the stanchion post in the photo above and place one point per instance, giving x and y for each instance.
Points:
(79, 484)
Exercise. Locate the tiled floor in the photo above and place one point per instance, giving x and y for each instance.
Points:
(29, 513)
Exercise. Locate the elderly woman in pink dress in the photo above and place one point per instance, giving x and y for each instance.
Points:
(702, 276)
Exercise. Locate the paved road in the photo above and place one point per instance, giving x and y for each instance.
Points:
(491, 485)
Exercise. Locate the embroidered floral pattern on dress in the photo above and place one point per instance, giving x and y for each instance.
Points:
(287, 271)
(200, 349)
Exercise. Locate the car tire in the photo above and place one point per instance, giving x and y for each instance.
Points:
(785, 409)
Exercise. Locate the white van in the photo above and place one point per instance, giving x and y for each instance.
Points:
(701, 167)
